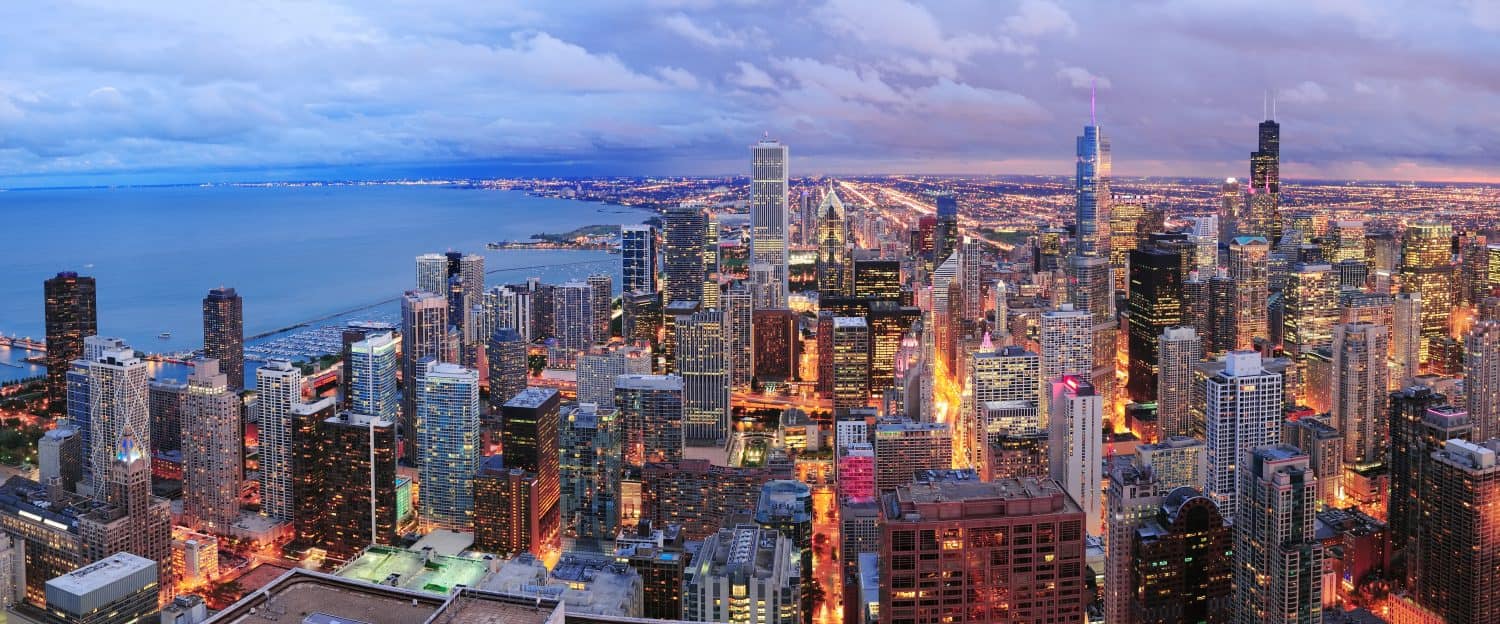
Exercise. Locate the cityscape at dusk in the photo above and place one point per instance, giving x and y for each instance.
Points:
(802, 312)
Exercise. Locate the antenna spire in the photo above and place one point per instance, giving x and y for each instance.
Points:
(1093, 118)
(1273, 109)
(1265, 99)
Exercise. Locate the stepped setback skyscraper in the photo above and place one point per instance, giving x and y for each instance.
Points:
(1091, 190)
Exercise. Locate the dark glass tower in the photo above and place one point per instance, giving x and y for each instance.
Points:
(1091, 190)
(945, 230)
(224, 334)
(684, 228)
(1155, 302)
(71, 316)
(1265, 186)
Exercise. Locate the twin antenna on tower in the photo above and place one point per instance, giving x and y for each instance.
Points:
(1267, 99)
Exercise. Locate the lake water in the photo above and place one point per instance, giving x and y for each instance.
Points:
(293, 253)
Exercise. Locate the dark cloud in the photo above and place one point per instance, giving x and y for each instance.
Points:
(94, 90)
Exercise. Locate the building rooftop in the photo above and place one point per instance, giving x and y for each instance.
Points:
(445, 542)
(649, 382)
(415, 570)
(977, 498)
(101, 573)
(848, 322)
(531, 397)
(302, 595)
(355, 419)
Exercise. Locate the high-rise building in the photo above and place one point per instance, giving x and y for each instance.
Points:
(975, 526)
(776, 342)
(1460, 532)
(1420, 423)
(507, 359)
(1220, 316)
(60, 455)
(71, 316)
(1178, 351)
(1360, 391)
(1427, 270)
(674, 314)
(224, 333)
(1007, 374)
(1128, 219)
(1075, 438)
(738, 328)
(1248, 258)
(592, 445)
(1406, 339)
(1324, 446)
(744, 573)
(703, 362)
(877, 279)
(851, 362)
(1181, 562)
(358, 483)
(1155, 302)
(640, 315)
(212, 448)
(786, 506)
(1482, 378)
(372, 364)
(530, 431)
(768, 217)
(700, 496)
(1309, 312)
(164, 401)
(424, 335)
(1260, 216)
(1278, 559)
(120, 587)
(1066, 336)
(598, 369)
(131, 519)
(602, 297)
(651, 413)
(448, 436)
(1138, 487)
(1230, 201)
(904, 448)
(508, 515)
(1242, 412)
(118, 407)
(1091, 190)
(432, 273)
(638, 258)
(307, 469)
(833, 247)
(278, 386)
(573, 316)
(1089, 287)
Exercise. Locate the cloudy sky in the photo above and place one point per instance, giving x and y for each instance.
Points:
(96, 92)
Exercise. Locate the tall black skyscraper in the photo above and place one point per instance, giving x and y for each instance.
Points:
(71, 317)
(945, 233)
(224, 334)
(1155, 302)
(684, 228)
(1265, 185)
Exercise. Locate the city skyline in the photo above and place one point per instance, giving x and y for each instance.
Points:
(897, 87)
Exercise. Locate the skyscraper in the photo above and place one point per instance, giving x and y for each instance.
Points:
(506, 356)
(1360, 390)
(738, 322)
(1242, 412)
(212, 447)
(1482, 378)
(651, 413)
(1155, 305)
(448, 436)
(851, 362)
(1136, 492)
(530, 442)
(945, 230)
(224, 333)
(358, 471)
(703, 362)
(776, 340)
(1427, 270)
(1460, 533)
(372, 368)
(1421, 423)
(1260, 218)
(1091, 190)
(70, 312)
(1181, 562)
(1406, 339)
(602, 298)
(592, 446)
(598, 369)
(117, 407)
(1278, 559)
(744, 572)
(638, 258)
(973, 525)
(1178, 351)
(1075, 422)
(509, 516)
(768, 217)
(683, 227)
(1248, 257)
(833, 235)
(278, 387)
(573, 316)
(1230, 201)
(432, 273)
(904, 447)
(1067, 343)
(424, 335)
